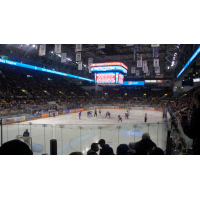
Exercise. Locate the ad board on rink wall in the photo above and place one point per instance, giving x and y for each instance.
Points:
(73, 111)
(79, 109)
(33, 116)
(67, 111)
(45, 115)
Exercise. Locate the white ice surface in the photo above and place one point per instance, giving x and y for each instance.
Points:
(71, 138)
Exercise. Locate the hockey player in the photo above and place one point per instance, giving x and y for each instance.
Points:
(53, 113)
(79, 115)
(99, 111)
(89, 113)
(126, 115)
(95, 112)
(108, 114)
(119, 118)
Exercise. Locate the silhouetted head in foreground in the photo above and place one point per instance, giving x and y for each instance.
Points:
(15, 147)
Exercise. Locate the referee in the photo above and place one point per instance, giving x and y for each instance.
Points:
(95, 112)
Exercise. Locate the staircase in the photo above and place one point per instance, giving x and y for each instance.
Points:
(27, 93)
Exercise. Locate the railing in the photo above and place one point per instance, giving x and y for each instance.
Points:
(71, 138)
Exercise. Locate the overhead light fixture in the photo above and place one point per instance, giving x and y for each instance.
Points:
(33, 45)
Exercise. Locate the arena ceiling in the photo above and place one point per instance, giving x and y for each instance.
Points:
(29, 54)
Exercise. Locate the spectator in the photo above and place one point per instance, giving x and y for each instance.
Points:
(193, 130)
(94, 149)
(15, 147)
(131, 145)
(131, 152)
(143, 145)
(122, 149)
(76, 153)
(155, 151)
(106, 149)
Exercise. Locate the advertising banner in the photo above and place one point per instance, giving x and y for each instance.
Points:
(133, 83)
(79, 109)
(108, 68)
(90, 61)
(133, 70)
(67, 111)
(29, 117)
(42, 50)
(45, 115)
(139, 61)
(9, 120)
(19, 118)
(73, 111)
(63, 57)
(78, 56)
(78, 47)
(57, 48)
(156, 52)
(91, 107)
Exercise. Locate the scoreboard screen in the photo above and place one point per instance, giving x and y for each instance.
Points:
(109, 78)
(108, 69)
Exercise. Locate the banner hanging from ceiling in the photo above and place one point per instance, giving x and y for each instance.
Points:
(157, 70)
(136, 52)
(57, 48)
(101, 46)
(139, 61)
(78, 47)
(63, 57)
(129, 45)
(137, 72)
(148, 74)
(155, 45)
(144, 64)
(145, 69)
(155, 52)
(78, 56)
(156, 62)
(42, 50)
(90, 61)
(80, 65)
(133, 70)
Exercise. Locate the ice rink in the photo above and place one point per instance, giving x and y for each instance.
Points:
(73, 134)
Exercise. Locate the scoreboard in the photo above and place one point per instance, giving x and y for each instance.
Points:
(109, 73)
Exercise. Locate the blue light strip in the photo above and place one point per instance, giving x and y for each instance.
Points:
(42, 69)
(189, 61)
